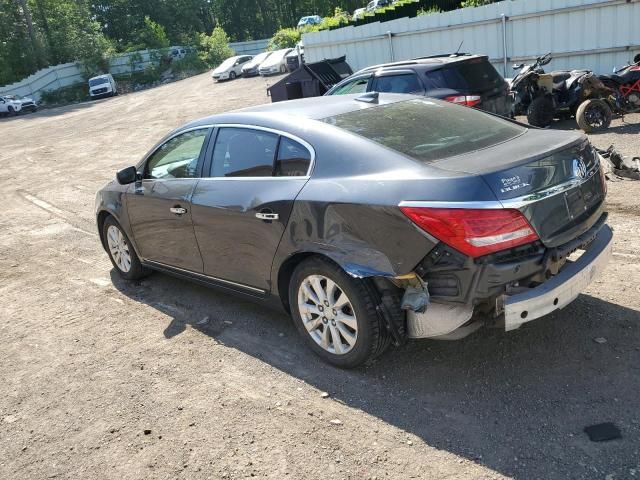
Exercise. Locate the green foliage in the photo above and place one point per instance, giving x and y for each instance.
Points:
(38, 33)
(214, 49)
(429, 10)
(191, 64)
(150, 35)
(339, 17)
(475, 3)
(78, 92)
(285, 38)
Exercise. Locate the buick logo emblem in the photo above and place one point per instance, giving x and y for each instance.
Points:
(579, 168)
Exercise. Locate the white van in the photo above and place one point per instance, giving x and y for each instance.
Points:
(102, 86)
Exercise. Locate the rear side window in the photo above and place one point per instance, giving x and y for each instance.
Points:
(476, 75)
(405, 83)
(293, 159)
(244, 152)
(427, 130)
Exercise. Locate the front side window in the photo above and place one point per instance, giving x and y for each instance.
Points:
(244, 152)
(405, 83)
(178, 157)
(356, 86)
(293, 159)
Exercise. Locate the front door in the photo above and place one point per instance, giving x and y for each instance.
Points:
(240, 211)
(159, 206)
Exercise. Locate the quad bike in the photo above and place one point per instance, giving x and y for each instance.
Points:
(545, 96)
(613, 94)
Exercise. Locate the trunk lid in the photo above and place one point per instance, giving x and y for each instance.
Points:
(552, 177)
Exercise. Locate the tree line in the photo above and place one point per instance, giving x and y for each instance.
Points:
(37, 33)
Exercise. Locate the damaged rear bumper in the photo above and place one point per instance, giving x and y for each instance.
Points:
(562, 288)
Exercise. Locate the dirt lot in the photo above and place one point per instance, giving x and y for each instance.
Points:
(164, 379)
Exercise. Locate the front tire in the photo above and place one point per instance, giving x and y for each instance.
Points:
(121, 252)
(594, 114)
(540, 112)
(283, 69)
(232, 76)
(336, 314)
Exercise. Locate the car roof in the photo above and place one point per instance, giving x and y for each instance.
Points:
(314, 108)
(432, 62)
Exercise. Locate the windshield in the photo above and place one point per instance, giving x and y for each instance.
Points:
(260, 57)
(427, 130)
(228, 63)
(278, 56)
(98, 81)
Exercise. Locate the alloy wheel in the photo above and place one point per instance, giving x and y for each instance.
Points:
(327, 314)
(595, 116)
(119, 248)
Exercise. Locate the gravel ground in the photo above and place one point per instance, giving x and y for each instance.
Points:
(101, 378)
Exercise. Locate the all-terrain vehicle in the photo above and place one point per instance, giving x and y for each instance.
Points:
(544, 96)
(614, 94)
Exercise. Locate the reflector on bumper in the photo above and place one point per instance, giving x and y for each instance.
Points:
(563, 288)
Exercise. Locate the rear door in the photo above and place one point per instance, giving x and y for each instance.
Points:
(241, 210)
(475, 77)
(159, 207)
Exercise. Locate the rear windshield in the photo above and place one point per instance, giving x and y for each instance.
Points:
(427, 130)
(476, 75)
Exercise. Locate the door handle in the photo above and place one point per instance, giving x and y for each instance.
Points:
(267, 216)
(178, 210)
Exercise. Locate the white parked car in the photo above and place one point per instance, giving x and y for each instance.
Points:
(250, 69)
(9, 106)
(359, 12)
(276, 63)
(102, 86)
(376, 4)
(230, 68)
(13, 104)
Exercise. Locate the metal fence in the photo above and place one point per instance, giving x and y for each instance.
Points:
(589, 34)
(251, 47)
(68, 74)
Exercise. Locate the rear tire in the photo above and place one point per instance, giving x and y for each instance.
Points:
(121, 253)
(338, 322)
(593, 115)
(540, 112)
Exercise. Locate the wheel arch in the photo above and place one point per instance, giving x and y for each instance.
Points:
(287, 267)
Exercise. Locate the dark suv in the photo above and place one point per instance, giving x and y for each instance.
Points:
(458, 78)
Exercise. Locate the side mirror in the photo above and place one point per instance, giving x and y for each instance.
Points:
(518, 67)
(127, 175)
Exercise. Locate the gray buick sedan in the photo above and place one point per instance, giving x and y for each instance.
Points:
(370, 219)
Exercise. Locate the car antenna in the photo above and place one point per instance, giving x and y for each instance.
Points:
(458, 50)
(370, 97)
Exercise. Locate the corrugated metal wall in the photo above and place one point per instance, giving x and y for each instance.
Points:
(589, 34)
(251, 47)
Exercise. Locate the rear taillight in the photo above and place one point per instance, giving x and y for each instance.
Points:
(474, 232)
(467, 100)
